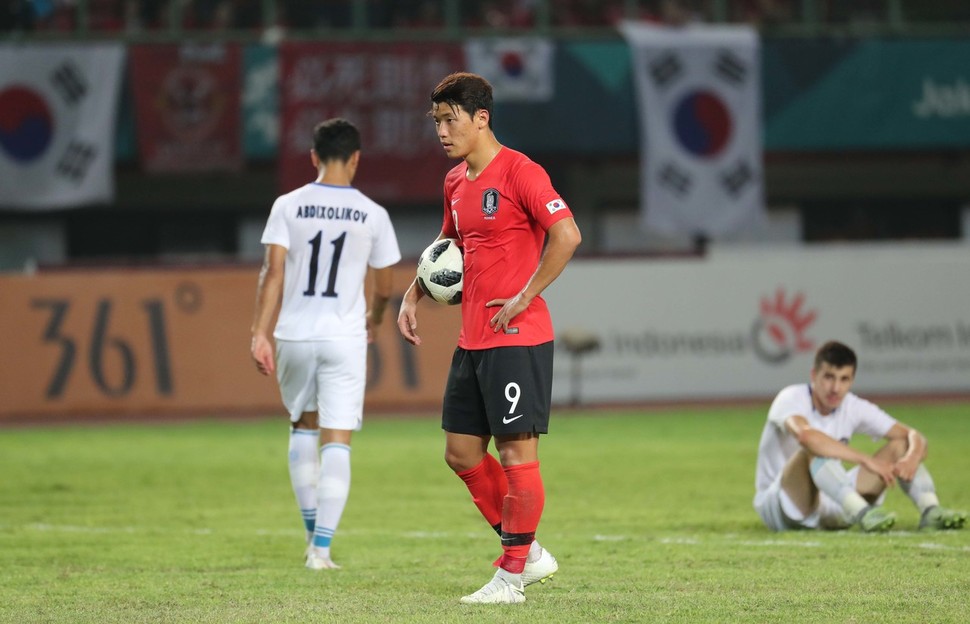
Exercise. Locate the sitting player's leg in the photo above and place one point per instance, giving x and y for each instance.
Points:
(833, 480)
(922, 491)
(304, 468)
(798, 488)
(871, 485)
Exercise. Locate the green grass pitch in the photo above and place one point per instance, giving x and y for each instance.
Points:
(648, 513)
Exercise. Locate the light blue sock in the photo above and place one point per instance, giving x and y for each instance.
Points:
(921, 489)
(830, 477)
(304, 464)
(333, 489)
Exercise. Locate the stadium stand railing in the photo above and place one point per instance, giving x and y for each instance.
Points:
(391, 19)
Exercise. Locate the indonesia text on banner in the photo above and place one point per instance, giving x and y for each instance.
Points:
(58, 107)
(700, 95)
(520, 69)
(188, 106)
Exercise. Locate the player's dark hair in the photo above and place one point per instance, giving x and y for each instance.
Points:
(464, 90)
(336, 139)
(835, 354)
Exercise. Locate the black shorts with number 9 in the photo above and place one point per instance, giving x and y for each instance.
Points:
(499, 391)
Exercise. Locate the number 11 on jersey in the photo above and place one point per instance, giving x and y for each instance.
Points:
(338, 246)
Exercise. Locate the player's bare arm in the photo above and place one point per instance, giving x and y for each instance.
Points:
(820, 444)
(563, 239)
(269, 294)
(407, 317)
(381, 284)
(905, 467)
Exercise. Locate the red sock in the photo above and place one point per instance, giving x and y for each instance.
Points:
(488, 487)
(520, 514)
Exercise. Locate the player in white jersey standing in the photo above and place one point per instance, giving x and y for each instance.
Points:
(322, 241)
(800, 481)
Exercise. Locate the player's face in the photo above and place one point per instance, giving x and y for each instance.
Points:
(456, 129)
(830, 385)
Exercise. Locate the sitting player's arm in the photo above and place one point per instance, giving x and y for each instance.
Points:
(820, 444)
(905, 467)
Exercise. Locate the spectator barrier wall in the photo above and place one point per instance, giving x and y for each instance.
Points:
(734, 324)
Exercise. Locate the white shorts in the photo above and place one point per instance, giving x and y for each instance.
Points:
(324, 376)
(779, 513)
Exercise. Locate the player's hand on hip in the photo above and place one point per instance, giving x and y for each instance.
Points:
(407, 322)
(262, 353)
(510, 309)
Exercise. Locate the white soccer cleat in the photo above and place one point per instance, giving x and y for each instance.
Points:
(938, 518)
(316, 562)
(504, 588)
(540, 570)
(875, 519)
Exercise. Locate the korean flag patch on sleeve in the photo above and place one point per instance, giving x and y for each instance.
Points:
(555, 206)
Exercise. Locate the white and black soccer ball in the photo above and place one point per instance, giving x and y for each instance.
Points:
(440, 271)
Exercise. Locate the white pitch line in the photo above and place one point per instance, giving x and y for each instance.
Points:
(904, 538)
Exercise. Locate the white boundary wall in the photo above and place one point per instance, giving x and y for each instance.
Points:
(742, 323)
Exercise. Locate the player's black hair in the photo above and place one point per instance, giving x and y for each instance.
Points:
(336, 139)
(465, 90)
(835, 354)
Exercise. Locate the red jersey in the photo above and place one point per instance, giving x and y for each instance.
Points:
(501, 220)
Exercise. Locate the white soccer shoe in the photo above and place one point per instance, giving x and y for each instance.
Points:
(540, 570)
(504, 588)
(316, 562)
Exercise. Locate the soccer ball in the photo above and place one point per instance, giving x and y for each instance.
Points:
(440, 271)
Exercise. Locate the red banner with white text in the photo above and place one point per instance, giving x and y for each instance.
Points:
(188, 106)
(384, 89)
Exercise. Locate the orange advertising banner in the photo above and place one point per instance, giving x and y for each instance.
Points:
(168, 342)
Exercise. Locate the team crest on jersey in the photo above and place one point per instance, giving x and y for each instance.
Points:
(490, 202)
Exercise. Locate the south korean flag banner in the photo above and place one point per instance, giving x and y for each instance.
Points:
(58, 107)
(699, 93)
(520, 69)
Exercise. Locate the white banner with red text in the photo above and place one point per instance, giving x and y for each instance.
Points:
(742, 323)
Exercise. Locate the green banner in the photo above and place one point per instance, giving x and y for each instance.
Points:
(874, 94)
(817, 95)
(261, 115)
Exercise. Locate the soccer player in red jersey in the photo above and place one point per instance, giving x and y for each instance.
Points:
(517, 235)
